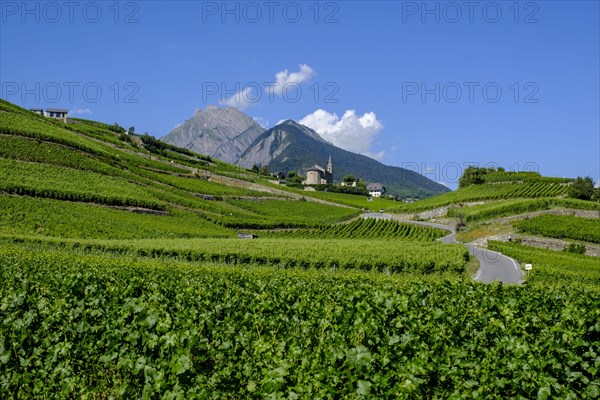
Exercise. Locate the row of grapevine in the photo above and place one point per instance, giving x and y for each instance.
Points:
(525, 176)
(198, 185)
(292, 212)
(19, 124)
(41, 180)
(48, 217)
(389, 256)
(366, 228)
(26, 149)
(520, 206)
(500, 191)
(562, 227)
(116, 327)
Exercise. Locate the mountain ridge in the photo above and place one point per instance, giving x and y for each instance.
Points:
(288, 146)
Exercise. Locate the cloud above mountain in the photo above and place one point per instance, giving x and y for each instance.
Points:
(285, 80)
(241, 100)
(352, 132)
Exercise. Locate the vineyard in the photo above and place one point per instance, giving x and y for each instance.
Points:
(504, 208)
(562, 227)
(43, 158)
(531, 177)
(499, 191)
(47, 217)
(553, 267)
(366, 228)
(96, 326)
(356, 201)
(121, 276)
(391, 256)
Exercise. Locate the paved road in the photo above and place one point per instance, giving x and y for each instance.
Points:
(493, 266)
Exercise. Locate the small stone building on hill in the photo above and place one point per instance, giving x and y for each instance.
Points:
(317, 175)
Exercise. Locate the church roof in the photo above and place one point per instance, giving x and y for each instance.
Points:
(316, 167)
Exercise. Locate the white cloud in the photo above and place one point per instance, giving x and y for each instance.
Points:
(241, 100)
(261, 121)
(284, 80)
(80, 111)
(351, 132)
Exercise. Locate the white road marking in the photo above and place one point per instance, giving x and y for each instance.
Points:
(515, 264)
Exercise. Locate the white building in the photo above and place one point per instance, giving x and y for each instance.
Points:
(56, 113)
(375, 189)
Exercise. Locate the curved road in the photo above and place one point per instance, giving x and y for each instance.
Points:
(493, 266)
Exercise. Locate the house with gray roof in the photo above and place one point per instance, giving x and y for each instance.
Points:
(375, 189)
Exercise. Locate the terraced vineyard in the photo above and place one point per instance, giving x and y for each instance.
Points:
(366, 228)
(37, 216)
(44, 158)
(562, 227)
(542, 187)
(133, 328)
(504, 208)
(385, 256)
(121, 277)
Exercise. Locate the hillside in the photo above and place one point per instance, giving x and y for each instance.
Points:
(106, 174)
(521, 207)
(291, 146)
(497, 186)
(121, 276)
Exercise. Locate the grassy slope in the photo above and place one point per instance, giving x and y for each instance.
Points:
(88, 162)
(512, 194)
(515, 189)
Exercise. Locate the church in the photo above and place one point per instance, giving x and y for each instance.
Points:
(316, 175)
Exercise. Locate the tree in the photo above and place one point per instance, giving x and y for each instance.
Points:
(472, 176)
(349, 178)
(131, 129)
(264, 170)
(582, 188)
(255, 168)
(596, 195)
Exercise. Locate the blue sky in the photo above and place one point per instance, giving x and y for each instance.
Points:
(431, 86)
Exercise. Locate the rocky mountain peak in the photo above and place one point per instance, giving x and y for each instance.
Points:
(220, 132)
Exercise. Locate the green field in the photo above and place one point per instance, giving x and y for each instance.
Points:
(385, 256)
(364, 228)
(375, 204)
(503, 208)
(47, 217)
(562, 227)
(104, 326)
(551, 268)
(540, 188)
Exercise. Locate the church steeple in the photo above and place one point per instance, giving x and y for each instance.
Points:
(330, 166)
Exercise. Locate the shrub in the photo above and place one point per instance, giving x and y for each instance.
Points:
(576, 248)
